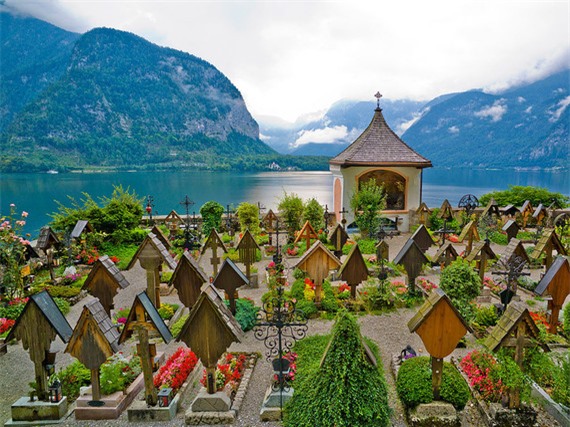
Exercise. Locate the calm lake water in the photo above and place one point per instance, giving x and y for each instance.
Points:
(37, 193)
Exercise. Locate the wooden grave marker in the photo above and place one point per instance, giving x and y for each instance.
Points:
(471, 233)
(423, 213)
(269, 221)
(317, 262)
(526, 213)
(152, 254)
(354, 270)
(82, 226)
(515, 328)
(104, 282)
(188, 279)
(412, 258)
(173, 220)
(512, 229)
(229, 279)
(510, 211)
(445, 211)
(445, 255)
(37, 326)
(382, 251)
(540, 214)
(47, 239)
(93, 341)
(209, 331)
(548, 242)
(338, 237)
(492, 208)
(247, 248)
(556, 283)
(214, 242)
(441, 327)
(515, 248)
(144, 318)
(161, 236)
(422, 238)
(307, 233)
(481, 253)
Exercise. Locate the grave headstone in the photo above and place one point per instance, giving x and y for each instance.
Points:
(187, 279)
(354, 270)
(214, 242)
(104, 282)
(317, 262)
(229, 279)
(556, 283)
(412, 258)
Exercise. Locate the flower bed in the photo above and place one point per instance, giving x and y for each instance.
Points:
(176, 369)
(229, 373)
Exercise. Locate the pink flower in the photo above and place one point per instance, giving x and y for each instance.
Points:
(21, 223)
(24, 214)
(12, 205)
(122, 320)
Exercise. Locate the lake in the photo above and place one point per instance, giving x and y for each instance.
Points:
(37, 193)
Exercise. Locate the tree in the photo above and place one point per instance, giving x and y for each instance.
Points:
(291, 210)
(518, 194)
(367, 203)
(462, 284)
(248, 216)
(315, 214)
(211, 216)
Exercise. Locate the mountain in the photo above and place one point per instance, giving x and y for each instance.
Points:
(526, 126)
(34, 55)
(120, 100)
(334, 130)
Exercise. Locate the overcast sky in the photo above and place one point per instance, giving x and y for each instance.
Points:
(289, 58)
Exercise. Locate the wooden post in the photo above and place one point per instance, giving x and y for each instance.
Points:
(211, 380)
(151, 265)
(95, 385)
(41, 380)
(436, 375)
(151, 396)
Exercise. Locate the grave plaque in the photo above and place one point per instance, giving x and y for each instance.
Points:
(317, 263)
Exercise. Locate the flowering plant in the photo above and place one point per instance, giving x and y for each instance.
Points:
(176, 369)
(6, 324)
(12, 252)
(88, 256)
(453, 238)
(539, 318)
(399, 287)
(290, 376)
(427, 285)
(118, 372)
(292, 251)
(228, 373)
(478, 367)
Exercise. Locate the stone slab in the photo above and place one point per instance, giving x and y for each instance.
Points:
(217, 402)
(140, 411)
(270, 414)
(434, 414)
(25, 410)
(273, 398)
(209, 418)
(559, 412)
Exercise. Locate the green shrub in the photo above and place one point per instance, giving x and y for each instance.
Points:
(291, 210)
(414, 383)
(298, 289)
(117, 373)
(63, 291)
(331, 393)
(461, 284)
(72, 378)
(561, 392)
(167, 310)
(367, 246)
(12, 311)
(566, 320)
(518, 194)
(314, 213)
(486, 316)
(248, 216)
(366, 203)
(298, 274)
(177, 326)
(211, 213)
(63, 305)
(307, 307)
(329, 302)
(246, 313)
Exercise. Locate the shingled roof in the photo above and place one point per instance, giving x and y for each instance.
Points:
(378, 145)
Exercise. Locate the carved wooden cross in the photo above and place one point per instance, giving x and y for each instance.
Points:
(307, 233)
(214, 242)
(247, 248)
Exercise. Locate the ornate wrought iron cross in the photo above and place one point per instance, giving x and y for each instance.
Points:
(511, 270)
(381, 235)
(279, 325)
(469, 203)
(326, 217)
(343, 221)
(186, 202)
(229, 220)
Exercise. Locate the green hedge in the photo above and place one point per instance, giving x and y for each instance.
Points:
(344, 390)
(246, 313)
(414, 383)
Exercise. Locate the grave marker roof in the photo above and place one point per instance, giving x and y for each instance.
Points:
(153, 241)
(549, 236)
(81, 226)
(188, 278)
(46, 238)
(143, 311)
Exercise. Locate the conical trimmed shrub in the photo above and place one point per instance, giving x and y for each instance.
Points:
(347, 390)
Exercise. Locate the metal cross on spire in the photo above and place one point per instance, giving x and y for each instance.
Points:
(378, 95)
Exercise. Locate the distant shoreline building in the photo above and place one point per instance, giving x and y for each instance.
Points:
(379, 154)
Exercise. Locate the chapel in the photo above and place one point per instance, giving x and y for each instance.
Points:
(379, 154)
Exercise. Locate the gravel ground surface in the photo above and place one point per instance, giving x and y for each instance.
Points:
(389, 331)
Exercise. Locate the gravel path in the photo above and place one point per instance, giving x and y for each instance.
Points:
(389, 331)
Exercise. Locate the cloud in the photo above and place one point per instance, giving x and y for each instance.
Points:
(521, 99)
(264, 137)
(325, 135)
(495, 111)
(562, 105)
(453, 129)
(528, 110)
(402, 127)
